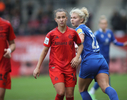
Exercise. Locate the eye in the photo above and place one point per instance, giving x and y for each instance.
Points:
(63, 16)
(58, 17)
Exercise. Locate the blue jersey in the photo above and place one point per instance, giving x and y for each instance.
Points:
(91, 48)
(104, 40)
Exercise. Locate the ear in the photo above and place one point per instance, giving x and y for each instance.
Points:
(81, 20)
(66, 17)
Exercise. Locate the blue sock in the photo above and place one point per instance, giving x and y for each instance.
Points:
(111, 93)
(96, 86)
(85, 95)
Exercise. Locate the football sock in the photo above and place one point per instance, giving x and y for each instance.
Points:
(111, 93)
(85, 95)
(72, 98)
(96, 86)
(59, 97)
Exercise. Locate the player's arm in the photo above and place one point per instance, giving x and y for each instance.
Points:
(11, 48)
(82, 40)
(75, 60)
(116, 42)
(36, 72)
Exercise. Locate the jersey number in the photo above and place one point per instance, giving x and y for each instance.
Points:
(94, 43)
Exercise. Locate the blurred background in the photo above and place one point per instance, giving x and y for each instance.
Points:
(33, 19)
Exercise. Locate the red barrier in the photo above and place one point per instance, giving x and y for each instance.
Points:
(29, 48)
(26, 55)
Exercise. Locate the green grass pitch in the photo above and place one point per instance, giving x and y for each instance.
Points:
(28, 88)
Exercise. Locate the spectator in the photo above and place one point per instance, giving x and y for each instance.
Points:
(115, 21)
(30, 9)
(2, 7)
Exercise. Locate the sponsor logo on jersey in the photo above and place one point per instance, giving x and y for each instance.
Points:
(102, 36)
(106, 40)
(60, 43)
(46, 40)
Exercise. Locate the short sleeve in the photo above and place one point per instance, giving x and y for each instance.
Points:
(11, 35)
(47, 41)
(77, 38)
(113, 37)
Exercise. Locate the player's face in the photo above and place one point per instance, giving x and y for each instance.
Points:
(61, 18)
(103, 24)
(75, 20)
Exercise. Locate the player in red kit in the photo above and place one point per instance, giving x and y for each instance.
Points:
(7, 46)
(63, 61)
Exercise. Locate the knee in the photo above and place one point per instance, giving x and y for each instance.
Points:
(82, 89)
(61, 92)
(69, 94)
(103, 88)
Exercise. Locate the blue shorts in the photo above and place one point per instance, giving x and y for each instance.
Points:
(91, 67)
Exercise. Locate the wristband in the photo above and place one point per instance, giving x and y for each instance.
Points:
(9, 50)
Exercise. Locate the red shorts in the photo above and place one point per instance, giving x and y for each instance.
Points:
(68, 78)
(5, 80)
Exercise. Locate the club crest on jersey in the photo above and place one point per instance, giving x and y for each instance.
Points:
(56, 78)
(109, 35)
(46, 40)
(79, 31)
(70, 37)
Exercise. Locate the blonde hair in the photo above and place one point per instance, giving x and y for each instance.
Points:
(83, 13)
(102, 17)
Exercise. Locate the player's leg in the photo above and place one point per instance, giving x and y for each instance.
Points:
(94, 88)
(103, 81)
(83, 85)
(70, 82)
(92, 91)
(60, 89)
(57, 79)
(69, 93)
(2, 93)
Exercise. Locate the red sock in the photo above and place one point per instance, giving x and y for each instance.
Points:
(59, 97)
(72, 98)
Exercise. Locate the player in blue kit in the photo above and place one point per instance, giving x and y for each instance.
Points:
(93, 64)
(104, 37)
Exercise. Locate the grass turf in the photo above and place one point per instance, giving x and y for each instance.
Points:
(28, 88)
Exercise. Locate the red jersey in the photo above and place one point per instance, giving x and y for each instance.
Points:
(6, 34)
(62, 48)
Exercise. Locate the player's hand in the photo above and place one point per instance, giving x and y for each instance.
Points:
(74, 62)
(7, 53)
(125, 43)
(36, 72)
